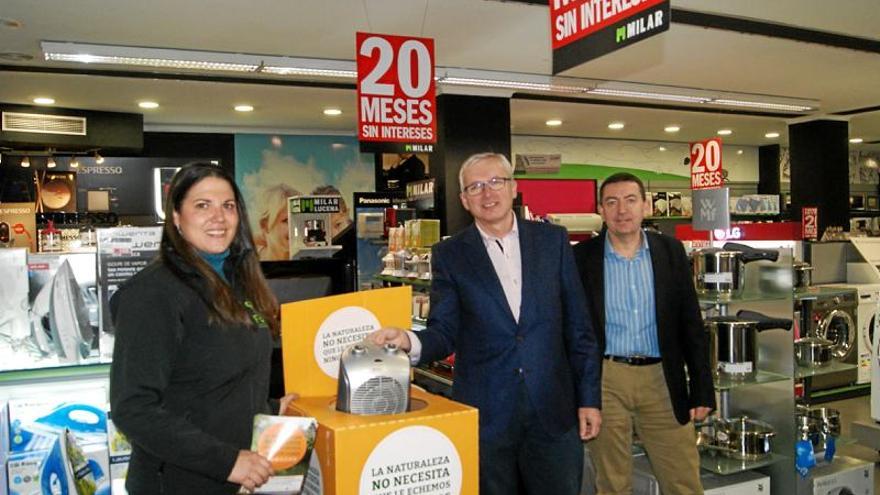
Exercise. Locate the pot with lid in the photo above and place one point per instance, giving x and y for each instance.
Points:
(721, 272)
(733, 342)
(803, 275)
(740, 438)
(813, 352)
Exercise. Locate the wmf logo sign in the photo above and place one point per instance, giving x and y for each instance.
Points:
(711, 209)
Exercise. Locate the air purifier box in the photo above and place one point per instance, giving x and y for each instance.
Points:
(431, 449)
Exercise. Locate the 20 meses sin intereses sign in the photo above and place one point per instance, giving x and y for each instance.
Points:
(397, 108)
(706, 170)
(582, 30)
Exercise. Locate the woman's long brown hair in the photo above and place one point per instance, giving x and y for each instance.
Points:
(223, 303)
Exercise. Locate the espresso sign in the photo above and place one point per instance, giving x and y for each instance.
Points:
(582, 30)
(397, 107)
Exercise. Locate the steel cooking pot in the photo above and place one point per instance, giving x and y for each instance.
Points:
(817, 425)
(743, 438)
(803, 275)
(721, 272)
(813, 352)
(733, 342)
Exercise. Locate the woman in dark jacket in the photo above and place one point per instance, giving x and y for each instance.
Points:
(194, 337)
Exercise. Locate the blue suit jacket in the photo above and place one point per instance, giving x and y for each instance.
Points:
(553, 343)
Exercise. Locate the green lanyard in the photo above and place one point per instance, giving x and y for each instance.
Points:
(258, 318)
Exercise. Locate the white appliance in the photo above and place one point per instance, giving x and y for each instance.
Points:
(373, 379)
(577, 223)
(744, 483)
(866, 324)
(843, 476)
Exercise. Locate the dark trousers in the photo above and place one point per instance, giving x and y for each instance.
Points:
(527, 461)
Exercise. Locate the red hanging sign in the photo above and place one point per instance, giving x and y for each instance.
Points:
(706, 170)
(395, 90)
(810, 222)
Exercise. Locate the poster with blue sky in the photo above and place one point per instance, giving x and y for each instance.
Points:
(269, 168)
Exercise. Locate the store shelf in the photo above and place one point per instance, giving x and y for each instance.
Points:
(726, 383)
(745, 297)
(832, 367)
(96, 370)
(814, 292)
(403, 280)
(718, 464)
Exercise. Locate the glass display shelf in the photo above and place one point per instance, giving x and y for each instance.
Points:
(55, 373)
(430, 374)
(723, 382)
(715, 462)
(814, 292)
(403, 280)
(744, 297)
(832, 367)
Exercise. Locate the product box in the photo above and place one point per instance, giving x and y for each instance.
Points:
(660, 204)
(14, 319)
(311, 220)
(122, 252)
(119, 450)
(18, 226)
(422, 232)
(430, 450)
(34, 421)
(316, 331)
(287, 442)
(844, 475)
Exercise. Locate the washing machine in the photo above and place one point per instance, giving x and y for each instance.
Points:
(866, 321)
(832, 313)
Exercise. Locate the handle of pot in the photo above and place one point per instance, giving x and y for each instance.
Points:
(764, 322)
(751, 254)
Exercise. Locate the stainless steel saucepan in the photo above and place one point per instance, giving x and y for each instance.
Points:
(721, 272)
(733, 342)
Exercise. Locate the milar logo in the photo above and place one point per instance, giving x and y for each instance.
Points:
(639, 26)
(420, 188)
(418, 148)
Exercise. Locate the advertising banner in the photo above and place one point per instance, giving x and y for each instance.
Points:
(316, 331)
(397, 109)
(810, 222)
(706, 170)
(581, 30)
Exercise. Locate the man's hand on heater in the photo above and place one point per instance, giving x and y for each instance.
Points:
(391, 335)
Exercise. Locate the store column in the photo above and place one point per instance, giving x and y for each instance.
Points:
(819, 153)
(465, 125)
(768, 169)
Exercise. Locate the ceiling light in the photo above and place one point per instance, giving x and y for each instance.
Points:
(16, 56)
(762, 105)
(498, 83)
(662, 148)
(856, 140)
(616, 126)
(98, 158)
(332, 112)
(739, 152)
(671, 128)
(553, 122)
(771, 135)
(148, 104)
(50, 163)
(647, 95)
(74, 162)
(44, 100)
(724, 132)
(244, 108)
(25, 162)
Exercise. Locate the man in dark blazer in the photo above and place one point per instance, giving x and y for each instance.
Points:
(506, 298)
(650, 332)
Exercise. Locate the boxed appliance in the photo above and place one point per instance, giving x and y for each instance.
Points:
(15, 330)
(119, 450)
(431, 449)
(310, 220)
(122, 252)
(63, 298)
(843, 476)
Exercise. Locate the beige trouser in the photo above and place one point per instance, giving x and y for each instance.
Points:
(637, 396)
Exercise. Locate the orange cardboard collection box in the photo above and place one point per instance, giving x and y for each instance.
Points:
(431, 450)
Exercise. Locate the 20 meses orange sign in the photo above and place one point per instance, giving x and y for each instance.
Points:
(395, 90)
(706, 164)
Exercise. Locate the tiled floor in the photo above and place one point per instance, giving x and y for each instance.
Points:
(857, 409)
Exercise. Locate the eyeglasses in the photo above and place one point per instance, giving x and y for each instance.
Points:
(495, 184)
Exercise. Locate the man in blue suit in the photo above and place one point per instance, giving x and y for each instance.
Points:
(506, 298)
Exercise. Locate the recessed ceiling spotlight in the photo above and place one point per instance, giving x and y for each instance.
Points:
(74, 162)
(25, 162)
(739, 152)
(44, 100)
(554, 122)
(672, 128)
(856, 140)
(662, 148)
(50, 163)
(149, 105)
(332, 112)
(771, 135)
(616, 126)
(724, 132)
(244, 108)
